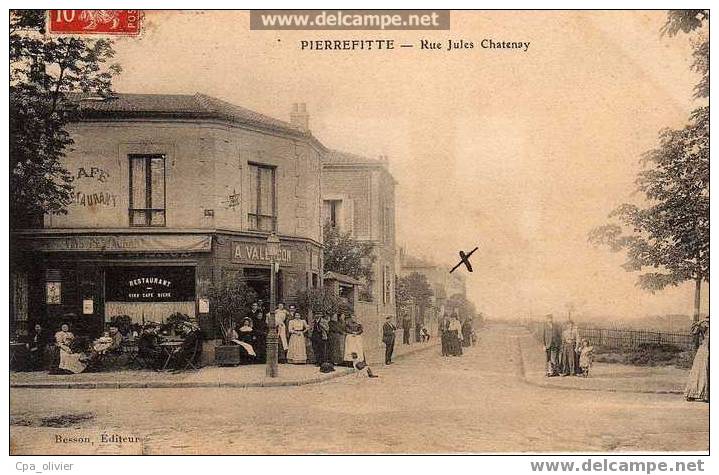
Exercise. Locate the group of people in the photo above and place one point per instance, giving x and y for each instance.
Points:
(566, 353)
(327, 339)
(455, 334)
(65, 352)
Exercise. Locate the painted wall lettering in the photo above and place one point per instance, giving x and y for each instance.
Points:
(96, 199)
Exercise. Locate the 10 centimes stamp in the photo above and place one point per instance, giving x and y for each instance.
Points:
(95, 22)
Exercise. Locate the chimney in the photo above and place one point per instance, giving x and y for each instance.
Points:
(299, 116)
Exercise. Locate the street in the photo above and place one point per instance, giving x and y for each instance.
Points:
(421, 404)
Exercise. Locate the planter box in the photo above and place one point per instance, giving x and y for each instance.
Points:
(227, 355)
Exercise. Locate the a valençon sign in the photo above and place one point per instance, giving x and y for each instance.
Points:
(89, 22)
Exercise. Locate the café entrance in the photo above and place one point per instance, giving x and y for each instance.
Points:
(258, 279)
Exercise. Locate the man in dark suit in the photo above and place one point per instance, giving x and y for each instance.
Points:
(552, 341)
(388, 331)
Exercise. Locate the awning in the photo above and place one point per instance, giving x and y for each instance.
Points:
(118, 243)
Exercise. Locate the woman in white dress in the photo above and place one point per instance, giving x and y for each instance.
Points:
(69, 361)
(296, 352)
(353, 340)
(698, 385)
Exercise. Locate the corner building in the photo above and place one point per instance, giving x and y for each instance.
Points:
(171, 192)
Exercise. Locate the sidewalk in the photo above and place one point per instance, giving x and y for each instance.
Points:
(604, 376)
(248, 376)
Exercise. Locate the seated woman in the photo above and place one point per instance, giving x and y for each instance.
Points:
(188, 353)
(70, 361)
(246, 339)
(148, 346)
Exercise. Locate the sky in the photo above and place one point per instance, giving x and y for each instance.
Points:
(519, 153)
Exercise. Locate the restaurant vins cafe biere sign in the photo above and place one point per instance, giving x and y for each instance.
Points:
(257, 253)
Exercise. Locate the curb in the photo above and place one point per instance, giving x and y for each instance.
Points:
(338, 373)
(183, 384)
(523, 377)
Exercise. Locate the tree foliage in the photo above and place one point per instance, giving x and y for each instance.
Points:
(44, 71)
(669, 233)
(324, 301)
(348, 256)
(465, 308)
(230, 301)
(413, 288)
(687, 21)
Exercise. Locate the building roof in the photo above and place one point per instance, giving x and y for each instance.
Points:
(181, 106)
(340, 157)
(415, 262)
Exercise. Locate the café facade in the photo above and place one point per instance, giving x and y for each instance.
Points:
(172, 194)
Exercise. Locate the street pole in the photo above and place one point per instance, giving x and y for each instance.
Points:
(273, 244)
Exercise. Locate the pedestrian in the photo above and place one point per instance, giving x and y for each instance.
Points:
(586, 357)
(570, 340)
(297, 353)
(467, 332)
(551, 341)
(444, 334)
(353, 339)
(406, 328)
(337, 339)
(320, 339)
(454, 330)
(259, 331)
(388, 333)
(697, 388)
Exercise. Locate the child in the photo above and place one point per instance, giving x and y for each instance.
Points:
(586, 356)
(362, 367)
(424, 334)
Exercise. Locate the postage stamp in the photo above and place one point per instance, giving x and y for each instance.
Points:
(93, 22)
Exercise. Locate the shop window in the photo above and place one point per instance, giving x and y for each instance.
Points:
(147, 190)
(262, 214)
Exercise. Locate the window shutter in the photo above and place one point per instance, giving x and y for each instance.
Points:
(348, 216)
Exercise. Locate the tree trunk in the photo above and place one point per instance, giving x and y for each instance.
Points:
(697, 298)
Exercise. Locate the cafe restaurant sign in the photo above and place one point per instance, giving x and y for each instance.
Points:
(256, 253)
(150, 284)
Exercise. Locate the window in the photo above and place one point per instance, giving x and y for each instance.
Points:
(262, 215)
(332, 212)
(147, 190)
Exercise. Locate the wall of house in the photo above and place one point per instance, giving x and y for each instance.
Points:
(206, 170)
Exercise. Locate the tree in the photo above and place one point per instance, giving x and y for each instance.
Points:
(413, 288)
(348, 256)
(230, 300)
(324, 301)
(465, 308)
(669, 234)
(44, 71)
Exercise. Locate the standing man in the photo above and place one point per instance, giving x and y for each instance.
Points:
(259, 328)
(388, 331)
(406, 327)
(552, 341)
